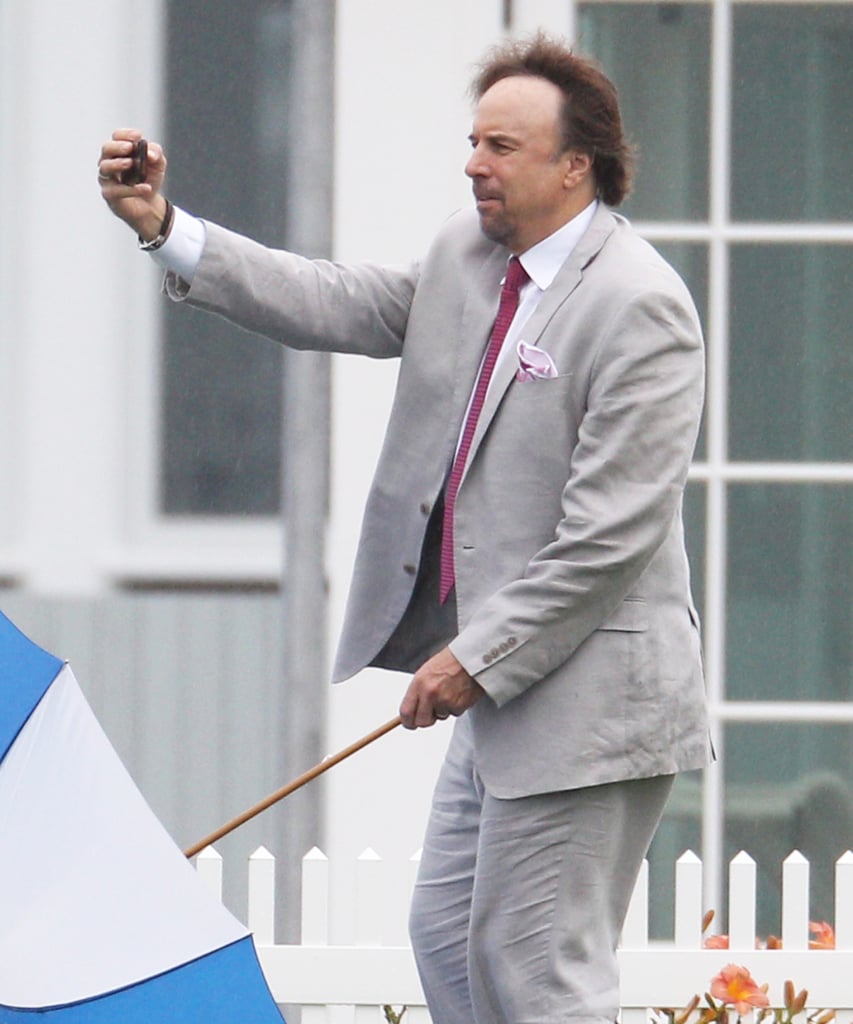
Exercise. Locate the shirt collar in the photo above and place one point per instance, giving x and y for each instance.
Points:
(543, 260)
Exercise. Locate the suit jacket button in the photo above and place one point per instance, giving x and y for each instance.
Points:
(410, 569)
(487, 659)
(511, 641)
(426, 508)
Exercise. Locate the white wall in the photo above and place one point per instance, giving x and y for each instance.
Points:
(73, 306)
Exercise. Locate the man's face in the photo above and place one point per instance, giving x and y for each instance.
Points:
(524, 186)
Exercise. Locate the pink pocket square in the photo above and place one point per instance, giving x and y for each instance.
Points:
(534, 363)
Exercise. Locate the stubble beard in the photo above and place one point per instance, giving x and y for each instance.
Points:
(496, 229)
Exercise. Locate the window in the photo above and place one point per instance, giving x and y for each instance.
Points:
(740, 112)
(227, 131)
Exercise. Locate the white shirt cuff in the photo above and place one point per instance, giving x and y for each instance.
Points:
(182, 250)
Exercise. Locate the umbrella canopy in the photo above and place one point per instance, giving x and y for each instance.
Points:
(102, 918)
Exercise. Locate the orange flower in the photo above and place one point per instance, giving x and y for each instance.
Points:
(716, 942)
(824, 936)
(736, 987)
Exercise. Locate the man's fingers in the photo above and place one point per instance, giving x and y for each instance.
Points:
(110, 169)
(127, 135)
(417, 711)
(116, 158)
(114, 147)
(408, 709)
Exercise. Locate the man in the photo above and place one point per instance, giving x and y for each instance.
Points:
(522, 549)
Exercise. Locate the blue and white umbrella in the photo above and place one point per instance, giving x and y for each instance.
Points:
(102, 918)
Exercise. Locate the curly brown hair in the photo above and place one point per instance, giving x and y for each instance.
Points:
(591, 121)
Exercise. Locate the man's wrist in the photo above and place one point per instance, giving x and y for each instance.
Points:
(153, 244)
(148, 227)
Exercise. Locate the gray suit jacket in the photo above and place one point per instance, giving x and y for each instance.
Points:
(572, 584)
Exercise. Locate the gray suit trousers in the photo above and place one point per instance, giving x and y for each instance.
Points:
(519, 903)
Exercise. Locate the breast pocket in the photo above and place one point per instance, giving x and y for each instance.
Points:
(540, 417)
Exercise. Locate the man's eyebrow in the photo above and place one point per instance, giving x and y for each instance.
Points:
(494, 136)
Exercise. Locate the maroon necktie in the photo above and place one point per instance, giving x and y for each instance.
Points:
(516, 275)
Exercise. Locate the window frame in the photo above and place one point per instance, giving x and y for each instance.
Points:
(715, 470)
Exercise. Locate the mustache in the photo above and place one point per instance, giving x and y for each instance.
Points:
(481, 193)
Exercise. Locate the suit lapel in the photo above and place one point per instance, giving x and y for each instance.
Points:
(561, 288)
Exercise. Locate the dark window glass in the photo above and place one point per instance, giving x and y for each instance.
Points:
(658, 55)
(790, 592)
(791, 359)
(226, 130)
(792, 92)
(695, 496)
(787, 787)
(691, 261)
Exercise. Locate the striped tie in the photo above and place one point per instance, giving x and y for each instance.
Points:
(516, 276)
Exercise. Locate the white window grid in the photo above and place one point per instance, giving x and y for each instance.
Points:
(717, 471)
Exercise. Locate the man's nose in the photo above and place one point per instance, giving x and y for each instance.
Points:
(475, 167)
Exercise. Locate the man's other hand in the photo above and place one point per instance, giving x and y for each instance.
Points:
(441, 687)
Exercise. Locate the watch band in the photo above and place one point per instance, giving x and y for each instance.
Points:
(163, 234)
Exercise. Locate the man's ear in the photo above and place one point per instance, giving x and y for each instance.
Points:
(578, 164)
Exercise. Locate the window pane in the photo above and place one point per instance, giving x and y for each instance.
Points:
(792, 92)
(790, 592)
(226, 130)
(791, 359)
(787, 788)
(694, 535)
(658, 56)
(691, 261)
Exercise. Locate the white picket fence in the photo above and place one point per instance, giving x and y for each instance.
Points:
(370, 971)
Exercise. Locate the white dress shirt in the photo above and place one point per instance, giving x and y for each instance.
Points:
(182, 250)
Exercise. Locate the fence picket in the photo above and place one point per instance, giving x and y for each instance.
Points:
(315, 918)
(688, 901)
(795, 902)
(208, 866)
(742, 902)
(844, 901)
(262, 896)
(315, 898)
(844, 915)
(369, 902)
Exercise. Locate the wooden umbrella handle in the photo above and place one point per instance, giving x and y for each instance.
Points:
(291, 787)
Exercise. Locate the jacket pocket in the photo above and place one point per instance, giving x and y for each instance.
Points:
(630, 617)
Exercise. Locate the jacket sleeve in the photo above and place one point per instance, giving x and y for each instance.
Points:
(302, 303)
